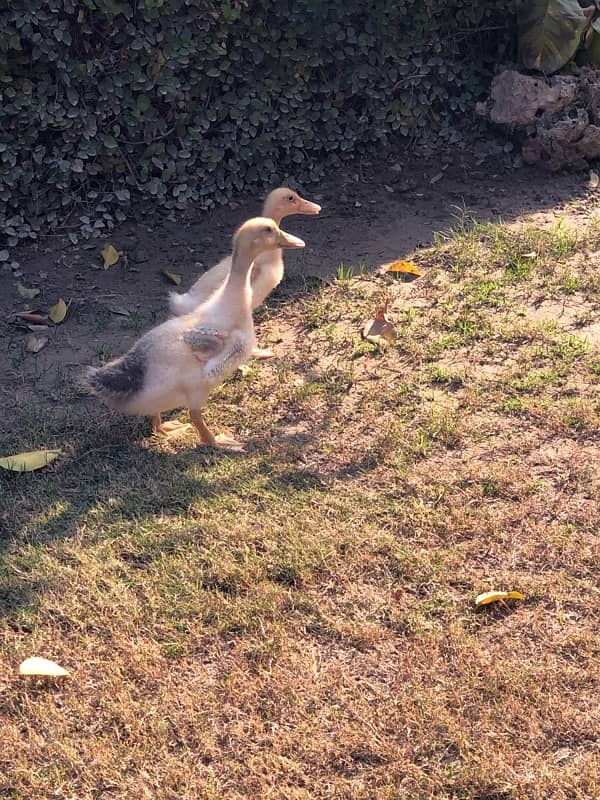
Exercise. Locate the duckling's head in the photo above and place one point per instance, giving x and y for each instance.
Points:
(283, 202)
(260, 234)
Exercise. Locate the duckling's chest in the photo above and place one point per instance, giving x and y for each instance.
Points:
(267, 273)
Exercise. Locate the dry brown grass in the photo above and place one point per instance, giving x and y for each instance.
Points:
(299, 623)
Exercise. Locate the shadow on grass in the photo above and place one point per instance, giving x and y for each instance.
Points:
(111, 474)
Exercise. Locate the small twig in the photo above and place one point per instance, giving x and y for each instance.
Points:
(96, 450)
(129, 167)
(482, 30)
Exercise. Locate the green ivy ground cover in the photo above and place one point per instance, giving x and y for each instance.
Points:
(103, 103)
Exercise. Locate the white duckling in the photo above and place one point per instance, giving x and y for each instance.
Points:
(267, 270)
(180, 362)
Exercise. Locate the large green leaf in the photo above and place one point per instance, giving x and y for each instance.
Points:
(549, 33)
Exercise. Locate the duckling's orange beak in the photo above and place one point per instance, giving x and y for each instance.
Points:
(287, 240)
(306, 207)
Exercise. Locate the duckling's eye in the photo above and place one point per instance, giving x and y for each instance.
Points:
(291, 198)
(267, 230)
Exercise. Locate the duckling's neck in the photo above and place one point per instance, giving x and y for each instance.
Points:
(238, 282)
(271, 213)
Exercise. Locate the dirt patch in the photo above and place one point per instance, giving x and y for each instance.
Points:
(474, 363)
(371, 215)
(574, 314)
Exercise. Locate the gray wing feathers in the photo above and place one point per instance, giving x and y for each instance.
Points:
(206, 343)
(222, 352)
(230, 358)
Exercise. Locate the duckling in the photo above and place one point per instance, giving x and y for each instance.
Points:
(267, 270)
(180, 362)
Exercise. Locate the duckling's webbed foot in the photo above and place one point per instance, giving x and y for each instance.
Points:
(170, 427)
(227, 443)
(263, 354)
(208, 438)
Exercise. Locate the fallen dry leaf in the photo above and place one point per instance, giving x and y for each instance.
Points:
(120, 310)
(27, 293)
(437, 178)
(110, 255)
(172, 276)
(32, 316)
(58, 312)
(29, 461)
(35, 343)
(380, 329)
(404, 267)
(42, 666)
(494, 597)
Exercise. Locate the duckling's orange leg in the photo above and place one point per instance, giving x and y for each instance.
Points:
(208, 437)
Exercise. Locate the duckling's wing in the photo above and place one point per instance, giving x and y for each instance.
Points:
(206, 343)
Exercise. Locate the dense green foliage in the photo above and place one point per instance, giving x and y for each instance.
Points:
(104, 102)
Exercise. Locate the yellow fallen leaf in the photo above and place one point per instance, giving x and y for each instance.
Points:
(27, 462)
(42, 666)
(172, 276)
(110, 255)
(28, 294)
(406, 267)
(493, 597)
(380, 329)
(58, 312)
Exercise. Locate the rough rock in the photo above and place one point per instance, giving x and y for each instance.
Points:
(518, 99)
(590, 82)
(589, 144)
(557, 120)
(568, 142)
(567, 131)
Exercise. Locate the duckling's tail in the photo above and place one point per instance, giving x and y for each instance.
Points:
(180, 304)
(117, 382)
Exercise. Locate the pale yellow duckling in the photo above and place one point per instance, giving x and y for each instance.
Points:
(267, 270)
(180, 362)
